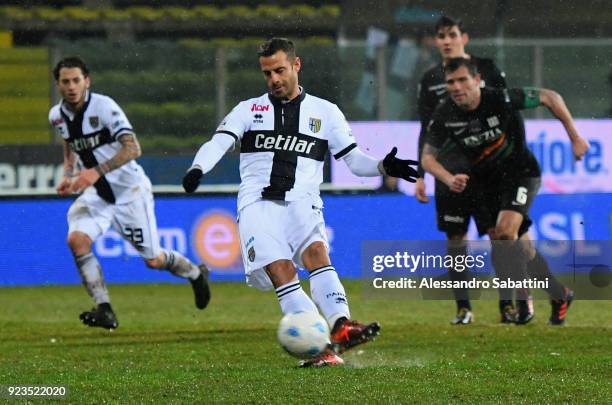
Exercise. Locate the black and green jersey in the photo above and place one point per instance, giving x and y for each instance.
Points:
(492, 137)
(432, 91)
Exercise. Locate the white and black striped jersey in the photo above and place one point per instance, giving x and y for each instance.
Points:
(283, 145)
(93, 135)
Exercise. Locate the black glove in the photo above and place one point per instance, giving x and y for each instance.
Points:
(191, 181)
(395, 167)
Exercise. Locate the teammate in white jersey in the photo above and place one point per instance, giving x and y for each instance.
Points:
(284, 136)
(99, 151)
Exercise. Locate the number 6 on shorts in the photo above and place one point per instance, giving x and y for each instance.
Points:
(521, 195)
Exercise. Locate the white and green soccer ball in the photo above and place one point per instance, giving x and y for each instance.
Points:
(303, 334)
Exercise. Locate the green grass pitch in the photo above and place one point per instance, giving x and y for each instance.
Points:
(166, 351)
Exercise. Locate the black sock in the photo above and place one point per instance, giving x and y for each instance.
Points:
(462, 295)
(510, 261)
(538, 268)
(106, 306)
(522, 306)
(503, 304)
(464, 304)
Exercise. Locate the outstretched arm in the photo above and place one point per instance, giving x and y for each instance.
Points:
(556, 105)
(429, 161)
(207, 157)
(130, 150)
(363, 165)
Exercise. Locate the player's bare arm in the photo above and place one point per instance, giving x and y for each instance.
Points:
(429, 161)
(130, 150)
(420, 191)
(556, 105)
(63, 188)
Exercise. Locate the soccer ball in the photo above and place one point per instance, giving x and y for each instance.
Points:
(303, 334)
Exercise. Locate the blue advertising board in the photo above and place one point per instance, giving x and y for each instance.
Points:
(34, 250)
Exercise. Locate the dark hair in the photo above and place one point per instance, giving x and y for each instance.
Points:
(273, 45)
(455, 63)
(449, 22)
(70, 62)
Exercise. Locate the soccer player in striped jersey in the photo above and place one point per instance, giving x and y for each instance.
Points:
(100, 148)
(284, 137)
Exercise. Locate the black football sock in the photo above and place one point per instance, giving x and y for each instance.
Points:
(462, 295)
(464, 304)
(538, 268)
(510, 261)
(503, 304)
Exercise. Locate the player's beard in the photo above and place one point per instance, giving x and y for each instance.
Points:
(280, 92)
(287, 89)
(78, 98)
(465, 102)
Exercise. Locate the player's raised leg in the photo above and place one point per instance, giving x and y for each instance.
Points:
(180, 266)
(137, 223)
(267, 259)
(561, 297)
(328, 293)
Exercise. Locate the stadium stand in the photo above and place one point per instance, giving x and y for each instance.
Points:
(24, 95)
(36, 23)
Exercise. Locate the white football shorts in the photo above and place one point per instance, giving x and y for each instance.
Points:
(275, 230)
(135, 221)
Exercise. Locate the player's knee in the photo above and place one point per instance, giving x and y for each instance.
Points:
(491, 233)
(315, 255)
(281, 272)
(79, 243)
(505, 233)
